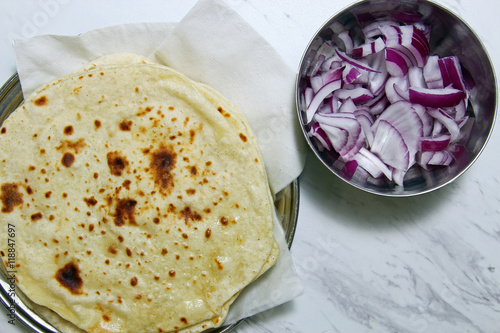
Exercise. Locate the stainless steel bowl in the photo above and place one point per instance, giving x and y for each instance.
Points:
(449, 36)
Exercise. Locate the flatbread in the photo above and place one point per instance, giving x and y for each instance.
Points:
(140, 200)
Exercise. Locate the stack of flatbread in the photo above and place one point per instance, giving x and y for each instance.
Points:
(140, 200)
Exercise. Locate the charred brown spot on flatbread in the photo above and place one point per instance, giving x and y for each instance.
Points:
(192, 134)
(68, 130)
(68, 159)
(224, 220)
(133, 281)
(125, 211)
(41, 101)
(126, 184)
(116, 163)
(69, 278)
(162, 162)
(10, 197)
(75, 146)
(90, 201)
(190, 215)
(112, 249)
(35, 217)
(220, 267)
(126, 125)
(223, 112)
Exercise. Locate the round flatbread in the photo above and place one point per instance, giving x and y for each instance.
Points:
(139, 198)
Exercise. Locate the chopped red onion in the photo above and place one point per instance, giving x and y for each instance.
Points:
(318, 98)
(434, 98)
(447, 121)
(353, 62)
(369, 48)
(397, 62)
(345, 37)
(432, 73)
(435, 143)
(383, 103)
(358, 95)
(389, 145)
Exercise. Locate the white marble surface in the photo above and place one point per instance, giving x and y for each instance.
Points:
(367, 264)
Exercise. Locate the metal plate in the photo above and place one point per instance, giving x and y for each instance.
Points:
(286, 203)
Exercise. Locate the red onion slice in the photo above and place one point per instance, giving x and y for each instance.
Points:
(353, 62)
(336, 136)
(318, 98)
(346, 38)
(436, 143)
(317, 132)
(389, 146)
(352, 137)
(359, 95)
(447, 121)
(396, 62)
(434, 98)
(366, 120)
(332, 75)
(416, 77)
(432, 73)
(347, 106)
(454, 72)
(351, 75)
(372, 163)
(402, 116)
(396, 88)
(425, 118)
(373, 29)
(376, 81)
(369, 48)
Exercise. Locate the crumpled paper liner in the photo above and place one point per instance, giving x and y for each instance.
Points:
(212, 44)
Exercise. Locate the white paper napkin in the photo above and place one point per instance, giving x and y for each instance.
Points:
(41, 59)
(212, 44)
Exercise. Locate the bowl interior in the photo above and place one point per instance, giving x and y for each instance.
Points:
(449, 36)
